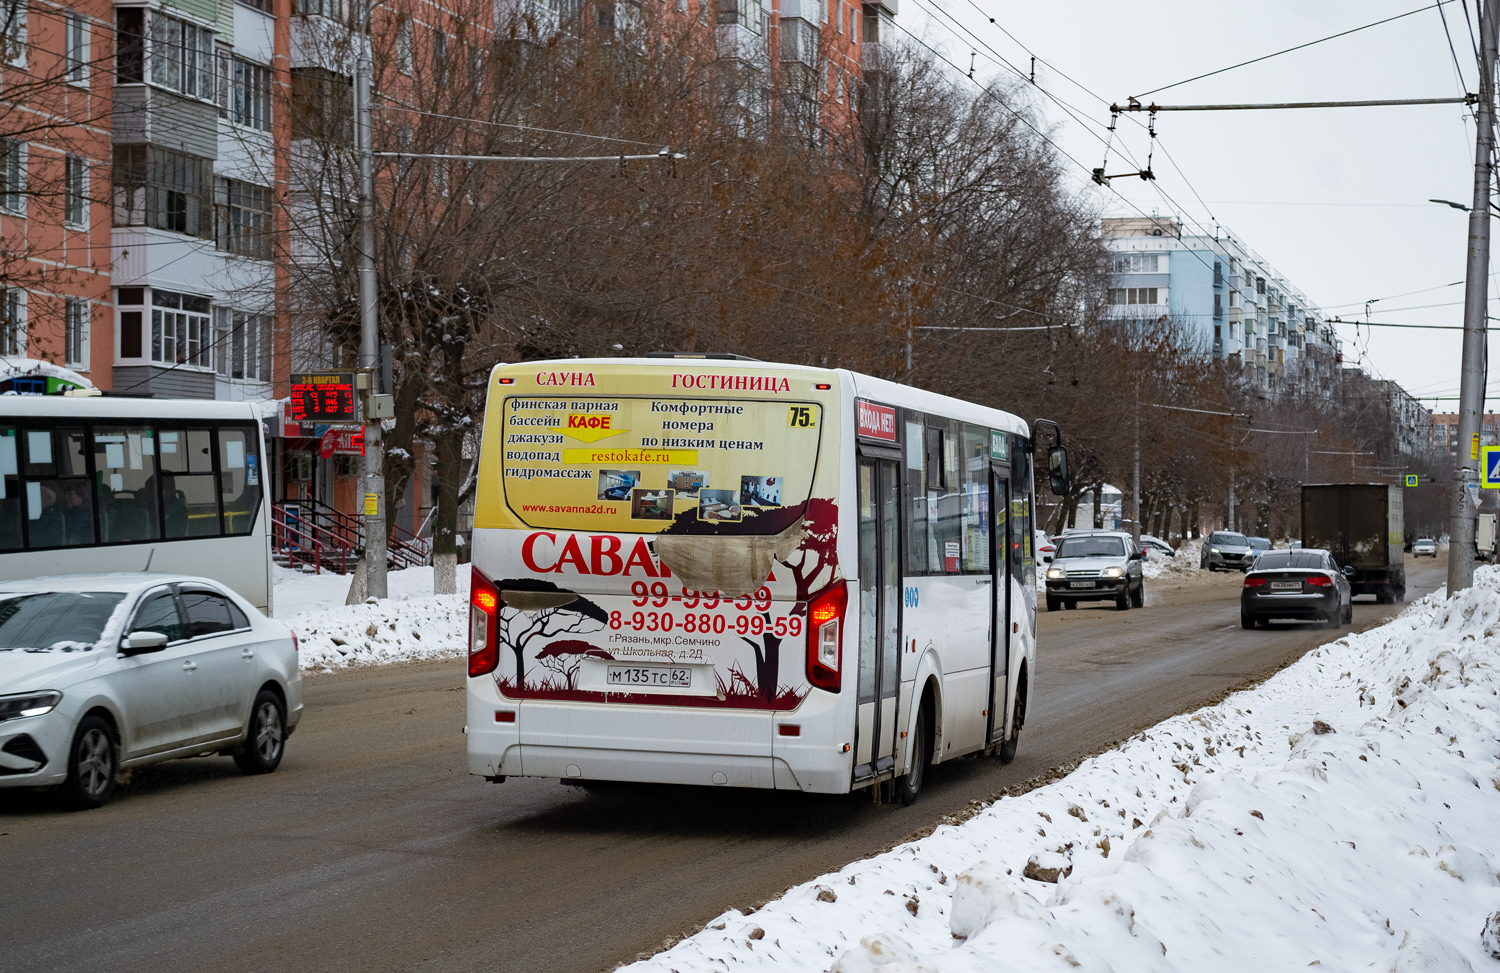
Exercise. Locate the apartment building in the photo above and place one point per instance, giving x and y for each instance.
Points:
(1443, 438)
(1226, 297)
(56, 299)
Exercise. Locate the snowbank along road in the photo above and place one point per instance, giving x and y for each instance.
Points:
(372, 848)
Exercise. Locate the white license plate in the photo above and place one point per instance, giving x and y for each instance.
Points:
(1286, 586)
(1080, 584)
(672, 676)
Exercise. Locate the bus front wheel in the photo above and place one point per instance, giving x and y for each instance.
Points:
(909, 786)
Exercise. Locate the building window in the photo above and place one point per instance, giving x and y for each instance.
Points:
(1138, 263)
(749, 14)
(1218, 306)
(247, 96)
(838, 16)
(76, 320)
(163, 189)
(12, 321)
(1134, 295)
(242, 344)
(322, 104)
(245, 219)
(179, 329)
(13, 176)
(403, 46)
(76, 58)
(180, 55)
(13, 32)
(317, 8)
(75, 190)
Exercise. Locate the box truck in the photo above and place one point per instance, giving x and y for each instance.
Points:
(1361, 525)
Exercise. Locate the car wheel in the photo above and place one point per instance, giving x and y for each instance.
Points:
(1349, 613)
(910, 784)
(1334, 619)
(91, 765)
(1053, 604)
(1247, 620)
(1400, 594)
(1070, 604)
(1122, 603)
(265, 738)
(1139, 598)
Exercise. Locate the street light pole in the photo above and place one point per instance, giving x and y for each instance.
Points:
(372, 482)
(1476, 294)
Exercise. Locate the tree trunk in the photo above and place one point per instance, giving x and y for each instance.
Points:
(450, 461)
(1099, 504)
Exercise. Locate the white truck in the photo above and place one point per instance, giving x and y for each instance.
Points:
(1484, 538)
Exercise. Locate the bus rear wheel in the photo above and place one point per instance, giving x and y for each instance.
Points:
(1017, 720)
(909, 786)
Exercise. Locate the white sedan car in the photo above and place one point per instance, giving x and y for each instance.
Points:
(104, 672)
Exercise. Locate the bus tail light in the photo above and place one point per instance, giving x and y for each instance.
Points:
(825, 616)
(484, 614)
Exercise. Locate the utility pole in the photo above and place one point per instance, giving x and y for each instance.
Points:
(1476, 295)
(372, 483)
(1135, 486)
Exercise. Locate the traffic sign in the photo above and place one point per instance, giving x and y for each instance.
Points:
(1489, 467)
(1411, 479)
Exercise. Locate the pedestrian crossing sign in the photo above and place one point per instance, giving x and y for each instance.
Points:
(1411, 479)
(1489, 467)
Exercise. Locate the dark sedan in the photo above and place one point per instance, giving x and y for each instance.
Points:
(1306, 585)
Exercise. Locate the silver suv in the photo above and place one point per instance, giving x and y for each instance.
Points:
(1096, 565)
(1225, 550)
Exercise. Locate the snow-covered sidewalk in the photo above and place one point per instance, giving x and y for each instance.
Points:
(1343, 815)
(411, 624)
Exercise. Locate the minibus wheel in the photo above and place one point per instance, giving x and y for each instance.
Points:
(909, 786)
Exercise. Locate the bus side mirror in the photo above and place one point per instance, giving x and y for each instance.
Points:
(1057, 470)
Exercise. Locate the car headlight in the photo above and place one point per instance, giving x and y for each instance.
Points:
(28, 704)
(1112, 572)
(1213, 550)
(1055, 573)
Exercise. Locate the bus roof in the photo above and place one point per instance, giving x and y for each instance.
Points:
(862, 386)
(112, 407)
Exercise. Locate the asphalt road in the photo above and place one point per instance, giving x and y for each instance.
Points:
(372, 848)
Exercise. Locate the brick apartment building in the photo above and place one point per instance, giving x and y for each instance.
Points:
(146, 173)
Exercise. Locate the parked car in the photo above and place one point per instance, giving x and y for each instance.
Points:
(1424, 547)
(1305, 584)
(1157, 546)
(1226, 550)
(101, 673)
(1045, 549)
(1258, 544)
(1096, 565)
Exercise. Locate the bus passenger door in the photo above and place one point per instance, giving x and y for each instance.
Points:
(1001, 634)
(879, 619)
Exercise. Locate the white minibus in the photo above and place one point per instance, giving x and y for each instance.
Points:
(704, 570)
(120, 484)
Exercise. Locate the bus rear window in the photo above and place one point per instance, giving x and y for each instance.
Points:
(642, 465)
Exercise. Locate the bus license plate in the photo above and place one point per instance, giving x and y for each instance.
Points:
(1286, 586)
(670, 676)
(1080, 584)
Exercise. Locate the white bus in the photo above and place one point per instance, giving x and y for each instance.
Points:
(710, 571)
(117, 484)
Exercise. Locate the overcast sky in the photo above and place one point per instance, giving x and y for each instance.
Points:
(1335, 199)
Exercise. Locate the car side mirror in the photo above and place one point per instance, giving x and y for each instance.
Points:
(1348, 570)
(1138, 555)
(1057, 471)
(138, 642)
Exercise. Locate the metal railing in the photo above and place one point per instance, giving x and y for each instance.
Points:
(346, 532)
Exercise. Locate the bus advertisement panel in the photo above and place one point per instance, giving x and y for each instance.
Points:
(658, 509)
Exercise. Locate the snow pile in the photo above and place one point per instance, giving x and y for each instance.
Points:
(1340, 815)
(1170, 570)
(412, 624)
(298, 592)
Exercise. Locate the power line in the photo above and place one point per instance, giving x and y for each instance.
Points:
(1289, 50)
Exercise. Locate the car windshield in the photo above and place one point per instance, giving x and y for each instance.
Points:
(1091, 547)
(55, 621)
(1224, 538)
(1289, 559)
(1259, 543)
